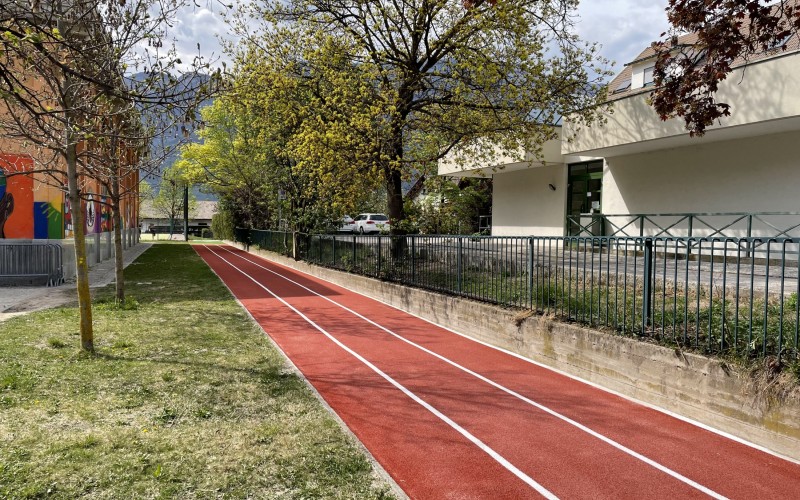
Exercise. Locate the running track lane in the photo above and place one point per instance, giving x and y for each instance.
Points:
(448, 417)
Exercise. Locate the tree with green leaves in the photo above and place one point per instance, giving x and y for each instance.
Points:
(265, 153)
(449, 205)
(403, 83)
(229, 161)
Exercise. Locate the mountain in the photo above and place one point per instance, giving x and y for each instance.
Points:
(173, 137)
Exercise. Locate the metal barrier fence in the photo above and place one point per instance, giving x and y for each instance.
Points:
(26, 263)
(701, 293)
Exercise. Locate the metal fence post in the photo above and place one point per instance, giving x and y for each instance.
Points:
(460, 264)
(413, 259)
(647, 299)
(378, 270)
(530, 273)
(749, 235)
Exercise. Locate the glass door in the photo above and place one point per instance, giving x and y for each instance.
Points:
(584, 199)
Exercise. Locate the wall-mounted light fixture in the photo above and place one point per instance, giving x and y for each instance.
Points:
(552, 187)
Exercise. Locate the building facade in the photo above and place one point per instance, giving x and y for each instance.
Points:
(33, 206)
(636, 175)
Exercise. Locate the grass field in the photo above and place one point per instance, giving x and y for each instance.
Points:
(184, 398)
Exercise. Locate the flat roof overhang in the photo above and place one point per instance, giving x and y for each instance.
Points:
(716, 134)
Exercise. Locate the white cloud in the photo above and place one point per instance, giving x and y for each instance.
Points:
(204, 26)
(623, 27)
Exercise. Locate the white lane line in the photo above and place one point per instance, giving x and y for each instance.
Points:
(374, 461)
(511, 392)
(477, 442)
(597, 386)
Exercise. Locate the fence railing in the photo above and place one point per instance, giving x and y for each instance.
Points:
(701, 293)
(26, 263)
(756, 226)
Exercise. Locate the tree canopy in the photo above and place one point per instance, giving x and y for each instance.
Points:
(389, 87)
(727, 32)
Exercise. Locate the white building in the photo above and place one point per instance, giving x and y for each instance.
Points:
(636, 164)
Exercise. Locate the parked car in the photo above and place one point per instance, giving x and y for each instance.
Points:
(371, 223)
(347, 225)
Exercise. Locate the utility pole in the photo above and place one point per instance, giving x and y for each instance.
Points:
(186, 212)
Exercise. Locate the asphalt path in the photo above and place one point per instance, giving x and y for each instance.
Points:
(449, 417)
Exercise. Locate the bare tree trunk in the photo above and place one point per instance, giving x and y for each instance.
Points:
(78, 228)
(394, 190)
(79, 232)
(118, 252)
(393, 177)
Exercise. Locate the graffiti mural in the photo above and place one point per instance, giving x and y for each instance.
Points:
(48, 210)
(6, 204)
(30, 207)
(90, 209)
(106, 221)
(25, 211)
(16, 204)
(68, 228)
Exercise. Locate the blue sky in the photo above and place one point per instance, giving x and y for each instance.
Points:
(623, 27)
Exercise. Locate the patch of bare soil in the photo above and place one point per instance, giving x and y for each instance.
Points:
(52, 297)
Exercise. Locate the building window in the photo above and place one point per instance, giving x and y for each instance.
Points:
(648, 76)
(623, 86)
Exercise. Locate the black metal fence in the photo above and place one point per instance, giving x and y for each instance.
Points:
(758, 227)
(31, 263)
(707, 294)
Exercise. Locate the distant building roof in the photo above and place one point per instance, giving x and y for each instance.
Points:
(203, 210)
(206, 209)
(620, 86)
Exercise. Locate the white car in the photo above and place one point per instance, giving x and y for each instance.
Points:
(347, 225)
(371, 223)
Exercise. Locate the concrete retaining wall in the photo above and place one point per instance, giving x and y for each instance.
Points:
(690, 385)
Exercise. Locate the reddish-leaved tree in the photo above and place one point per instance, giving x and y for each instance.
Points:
(727, 33)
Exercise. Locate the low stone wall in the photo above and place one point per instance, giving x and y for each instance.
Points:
(700, 388)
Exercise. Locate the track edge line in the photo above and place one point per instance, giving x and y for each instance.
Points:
(377, 467)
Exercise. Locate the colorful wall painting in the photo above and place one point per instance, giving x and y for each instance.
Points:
(69, 230)
(30, 207)
(16, 203)
(92, 219)
(6, 204)
(106, 221)
(48, 211)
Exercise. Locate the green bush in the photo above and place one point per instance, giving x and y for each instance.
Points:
(222, 225)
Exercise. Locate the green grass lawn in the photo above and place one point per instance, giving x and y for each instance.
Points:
(184, 398)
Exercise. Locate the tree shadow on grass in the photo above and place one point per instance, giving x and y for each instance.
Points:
(277, 371)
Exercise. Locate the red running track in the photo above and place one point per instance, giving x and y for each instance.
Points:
(449, 417)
